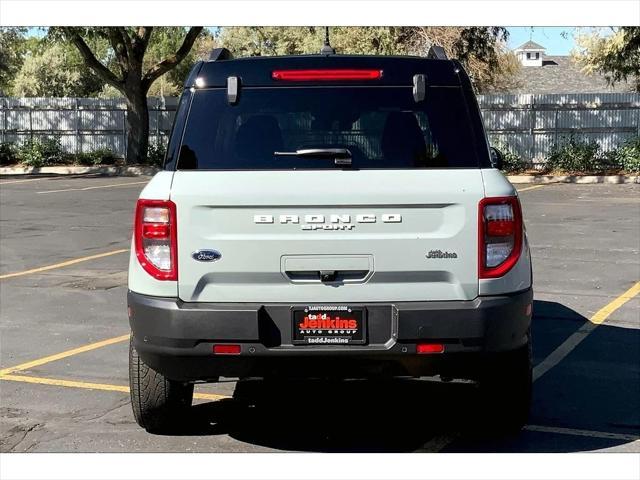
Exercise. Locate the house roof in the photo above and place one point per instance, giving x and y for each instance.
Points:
(560, 74)
(530, 46)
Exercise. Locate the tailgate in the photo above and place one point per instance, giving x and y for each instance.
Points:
(328, 235)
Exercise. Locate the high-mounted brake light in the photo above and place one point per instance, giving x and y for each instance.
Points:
(156, 239)
(499, 235)
(327, 75)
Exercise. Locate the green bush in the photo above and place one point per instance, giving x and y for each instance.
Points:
(102, 156)
(7, 154)
(35, 152)
(156, 153)
(577, 156)
(626, 156)
(511, 161)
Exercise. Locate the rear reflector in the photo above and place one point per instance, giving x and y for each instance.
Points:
(327, 75)
(426, 348)
(226, 349)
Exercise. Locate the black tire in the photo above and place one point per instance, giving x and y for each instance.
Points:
(160, 405)
(505, 386)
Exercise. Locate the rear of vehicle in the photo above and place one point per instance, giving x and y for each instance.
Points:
(327, 216)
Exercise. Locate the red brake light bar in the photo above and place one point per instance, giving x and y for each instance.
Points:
(327, 75)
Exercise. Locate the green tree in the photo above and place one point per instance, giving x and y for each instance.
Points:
(617, 56)
(127, 71)
(11, 39)
(54, 70)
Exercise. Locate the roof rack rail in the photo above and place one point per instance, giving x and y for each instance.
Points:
(437, 52)
(220, 54)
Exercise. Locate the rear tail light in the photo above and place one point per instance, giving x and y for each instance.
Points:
(499, 235)
(156, 238)
(327, 75)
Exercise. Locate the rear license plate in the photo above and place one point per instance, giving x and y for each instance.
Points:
(329, 325)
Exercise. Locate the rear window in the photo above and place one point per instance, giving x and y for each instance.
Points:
(382, 127)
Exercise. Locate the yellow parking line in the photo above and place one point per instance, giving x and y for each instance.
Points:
(91, 386)
(583, 332)
(62, 264)
(530, 188)
(65, 354)
(94, 188)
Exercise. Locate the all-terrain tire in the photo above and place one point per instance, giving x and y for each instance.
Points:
(160, 405)
(505, 392)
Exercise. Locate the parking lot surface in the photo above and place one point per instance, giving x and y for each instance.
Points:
(63, 341)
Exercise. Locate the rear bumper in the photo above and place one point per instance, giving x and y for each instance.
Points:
(176, 338)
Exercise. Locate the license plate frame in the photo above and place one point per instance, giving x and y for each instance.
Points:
(320, 335)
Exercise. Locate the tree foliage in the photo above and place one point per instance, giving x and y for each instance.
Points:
(11, 39)
(54, 70)
(481, 49)
(616, 56)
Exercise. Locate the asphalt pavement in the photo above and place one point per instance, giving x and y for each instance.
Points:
(63, 341)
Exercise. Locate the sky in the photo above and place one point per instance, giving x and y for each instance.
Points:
(549, 37)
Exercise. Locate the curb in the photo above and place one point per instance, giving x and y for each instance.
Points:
(579, 179)
(131, 171)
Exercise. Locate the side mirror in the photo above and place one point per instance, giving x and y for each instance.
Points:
(496, 158)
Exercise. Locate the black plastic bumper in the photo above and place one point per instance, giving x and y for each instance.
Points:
(177, 338)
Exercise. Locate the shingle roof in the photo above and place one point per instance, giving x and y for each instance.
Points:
(530, 46)
(560, 74)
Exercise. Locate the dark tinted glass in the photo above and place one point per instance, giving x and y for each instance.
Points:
(381, 127)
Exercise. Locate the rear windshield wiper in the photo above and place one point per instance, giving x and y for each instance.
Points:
(341, 156)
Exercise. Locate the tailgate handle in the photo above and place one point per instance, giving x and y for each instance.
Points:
(327, 268)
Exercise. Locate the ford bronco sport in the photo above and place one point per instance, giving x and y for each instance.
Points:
(329, 216)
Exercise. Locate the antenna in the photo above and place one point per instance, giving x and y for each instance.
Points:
(327, 49)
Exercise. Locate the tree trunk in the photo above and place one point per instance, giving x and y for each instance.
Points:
(137, 126)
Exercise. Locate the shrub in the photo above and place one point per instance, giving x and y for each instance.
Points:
(576, 156)
(626, 156)
(102, 156)
(511, 161)
(156, 153)
(7, 153)
(37, 153)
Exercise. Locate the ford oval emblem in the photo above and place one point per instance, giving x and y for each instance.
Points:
(206, 255)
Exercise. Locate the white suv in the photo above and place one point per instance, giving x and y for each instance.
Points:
(329, 216)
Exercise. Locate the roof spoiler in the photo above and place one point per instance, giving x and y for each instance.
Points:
(220, 54)
(436, 52)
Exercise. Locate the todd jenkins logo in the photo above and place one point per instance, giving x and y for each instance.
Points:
(318, 323)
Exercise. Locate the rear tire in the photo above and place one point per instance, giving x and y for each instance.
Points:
(505, 392)
(159, 404)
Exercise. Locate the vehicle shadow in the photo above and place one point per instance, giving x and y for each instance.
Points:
(595, 388)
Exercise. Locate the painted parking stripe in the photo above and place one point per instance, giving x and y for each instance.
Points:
(94, 187)
(529, 188)
(62, 264)
(582, 433)
(566, 347)
(91, 386)
(68, 353)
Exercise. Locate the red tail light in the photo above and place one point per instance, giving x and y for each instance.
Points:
(328, 75)
(156, 238)
(499, 235)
